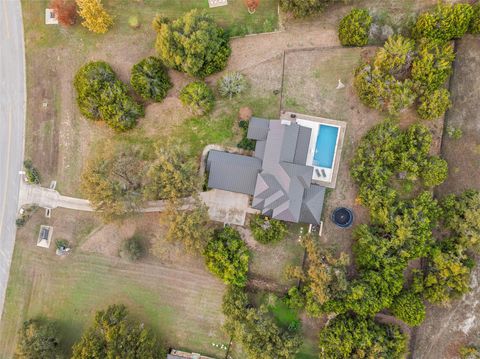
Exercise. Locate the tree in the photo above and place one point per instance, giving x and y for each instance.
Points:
(382, 83)
(474, 27)
(324, 278)
(96, 19)
(38, 340)
(252, 5)
(173, 174)
(409, 307)
(193, 44)
(187, 226)
(434, 104)
(260, 335)
(435, 172)
(447, 275)
(232, 84)
(101, 96)
(198, 97)
(65, 11)
(446, 22)
(265, 230)
(302, 8)
(354, 28)
(462, 217)
(433, 65)
(226, 255)
(114, 335)
(113, 178)
(355, 337)
(150, 80)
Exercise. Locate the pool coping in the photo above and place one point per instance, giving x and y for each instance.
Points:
(286, 115)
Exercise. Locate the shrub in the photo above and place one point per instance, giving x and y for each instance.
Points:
(357, 337)
(193, 44)
(232, 84)
(133, 22)
(446, 22)
(433, 65)
(96, 19)
(245, 143)
(435, 172)
(133, 248)
(101, 96)
(434, 104)
(198, 97)
(38, 339)
(454, 132)
(227, 255)
(462, 217)
(354, 28)
(31, 173)
(150, 80)
(65, 11)
(302, 8)
(475, 21)
(267, 230)
(408, 307)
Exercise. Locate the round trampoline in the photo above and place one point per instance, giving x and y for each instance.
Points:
(342, 217)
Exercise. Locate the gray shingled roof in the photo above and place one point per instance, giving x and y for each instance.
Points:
(257, 128)
(232, 172)
(277, 176)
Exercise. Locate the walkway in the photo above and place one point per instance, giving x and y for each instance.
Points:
(12, 128)
(225, 207)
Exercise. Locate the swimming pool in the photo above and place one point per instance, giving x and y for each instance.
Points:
(325, 146)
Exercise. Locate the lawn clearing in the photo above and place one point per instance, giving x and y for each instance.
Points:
(181, 302)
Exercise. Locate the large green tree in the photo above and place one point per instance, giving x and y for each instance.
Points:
(267, 230)
(193, 44)
(173, 173)
(187, 224)
(255, 328)
(38, 340)
(114, 335)
(150, 79)
(348, 337)
(323, 277)
(462, 217)
(101, 96)
(227, 255)
(113, 178)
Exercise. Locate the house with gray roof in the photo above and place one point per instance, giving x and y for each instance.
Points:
(276, 175)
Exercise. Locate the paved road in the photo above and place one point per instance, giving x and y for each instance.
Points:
(12, 128)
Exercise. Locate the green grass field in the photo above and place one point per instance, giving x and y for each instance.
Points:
(181, 303)
(234, 18)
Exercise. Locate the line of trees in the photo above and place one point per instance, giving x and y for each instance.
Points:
(113, 334)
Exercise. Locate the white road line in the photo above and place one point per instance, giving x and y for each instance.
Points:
(7, 167)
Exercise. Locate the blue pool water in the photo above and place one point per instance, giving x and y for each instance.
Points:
(325, 146)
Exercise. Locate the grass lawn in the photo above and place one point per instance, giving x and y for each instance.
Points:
(181, 303)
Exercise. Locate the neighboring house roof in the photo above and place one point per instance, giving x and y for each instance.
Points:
(232, 172)
(282, 188)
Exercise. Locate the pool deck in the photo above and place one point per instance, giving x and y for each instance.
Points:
(338, 153)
